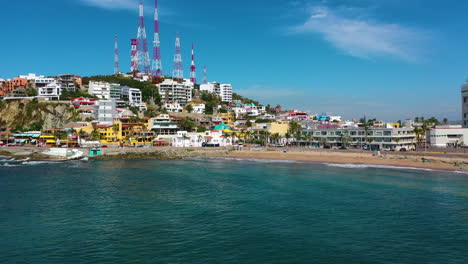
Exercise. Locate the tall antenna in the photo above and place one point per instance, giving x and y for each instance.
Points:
(134, 57)
(143, 54)
(205, 81)
(157, 62)
(178, 71)
(193, 73)
(116, 55)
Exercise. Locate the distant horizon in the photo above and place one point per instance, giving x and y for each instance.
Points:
(389, 60)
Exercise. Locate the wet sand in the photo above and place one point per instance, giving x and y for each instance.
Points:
(400, 160)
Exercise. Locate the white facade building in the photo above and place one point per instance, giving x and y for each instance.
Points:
(105, 111)
(464, 95)
(173, 107)
(448, 136)
(224, 91)
(176, 92)
(185, 139)
(216, 138)
(39, 80)
(50, 91)
(133, 96)
(199, 108)
(163, 125)
(99, 89)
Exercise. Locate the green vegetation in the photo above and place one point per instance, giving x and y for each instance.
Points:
(211, 101)
(68, 95)
(244, 100)
(189, 108)
(186, 124)
(201, 129)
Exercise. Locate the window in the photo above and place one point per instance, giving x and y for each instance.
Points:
(353, 133)
(379, 133)
(389, 133)
(332, 133)
(338, 133)
(324, 133)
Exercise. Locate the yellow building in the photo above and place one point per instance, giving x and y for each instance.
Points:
(278, 127)
(228, 118)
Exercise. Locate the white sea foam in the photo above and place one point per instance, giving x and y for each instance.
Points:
(341, 165)
(365, 166)
(260, 160)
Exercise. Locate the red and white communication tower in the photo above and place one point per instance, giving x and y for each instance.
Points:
(116, 55)
(193, 72)
(157, 62)
(134, 57)
(178, 71)
(143, 54)
(205, 81)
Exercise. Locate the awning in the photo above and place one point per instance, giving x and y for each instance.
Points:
(47, 136)
(50, 141)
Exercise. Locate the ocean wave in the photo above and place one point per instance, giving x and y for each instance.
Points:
(340, 165)
(367, 166)
(259, 160)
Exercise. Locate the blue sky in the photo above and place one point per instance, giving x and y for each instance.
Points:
(389, 59)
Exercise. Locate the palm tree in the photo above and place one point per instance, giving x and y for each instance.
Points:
(445, 120)
(287, 136)
(418, 131)
(323, 141)
(115, 129)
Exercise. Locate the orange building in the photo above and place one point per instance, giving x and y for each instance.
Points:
(9, 86)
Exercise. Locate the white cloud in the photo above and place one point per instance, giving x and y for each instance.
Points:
(359, 37)
(113, 4)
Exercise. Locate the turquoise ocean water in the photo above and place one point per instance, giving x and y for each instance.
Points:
(230, 211)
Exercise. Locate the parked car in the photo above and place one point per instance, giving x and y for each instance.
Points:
(103, 146)
(210, 145)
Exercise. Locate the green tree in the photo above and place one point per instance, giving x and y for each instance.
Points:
(189, 108)
(186, 124)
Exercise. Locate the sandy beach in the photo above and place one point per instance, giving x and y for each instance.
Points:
(416, 160)
(437, 161)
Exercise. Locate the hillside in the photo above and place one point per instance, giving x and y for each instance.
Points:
(31, 115)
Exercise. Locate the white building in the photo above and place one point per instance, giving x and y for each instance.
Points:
(176, 92)
(50, 91)
(99, 89)
(38, 80)
(448, 136)
(211, 87)
(163, 125)
(185, 139)
(215, 138)
(199, 108)
(224, 91)
(105, 111)
(173, 107)
(132, 96)
(464, 95)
